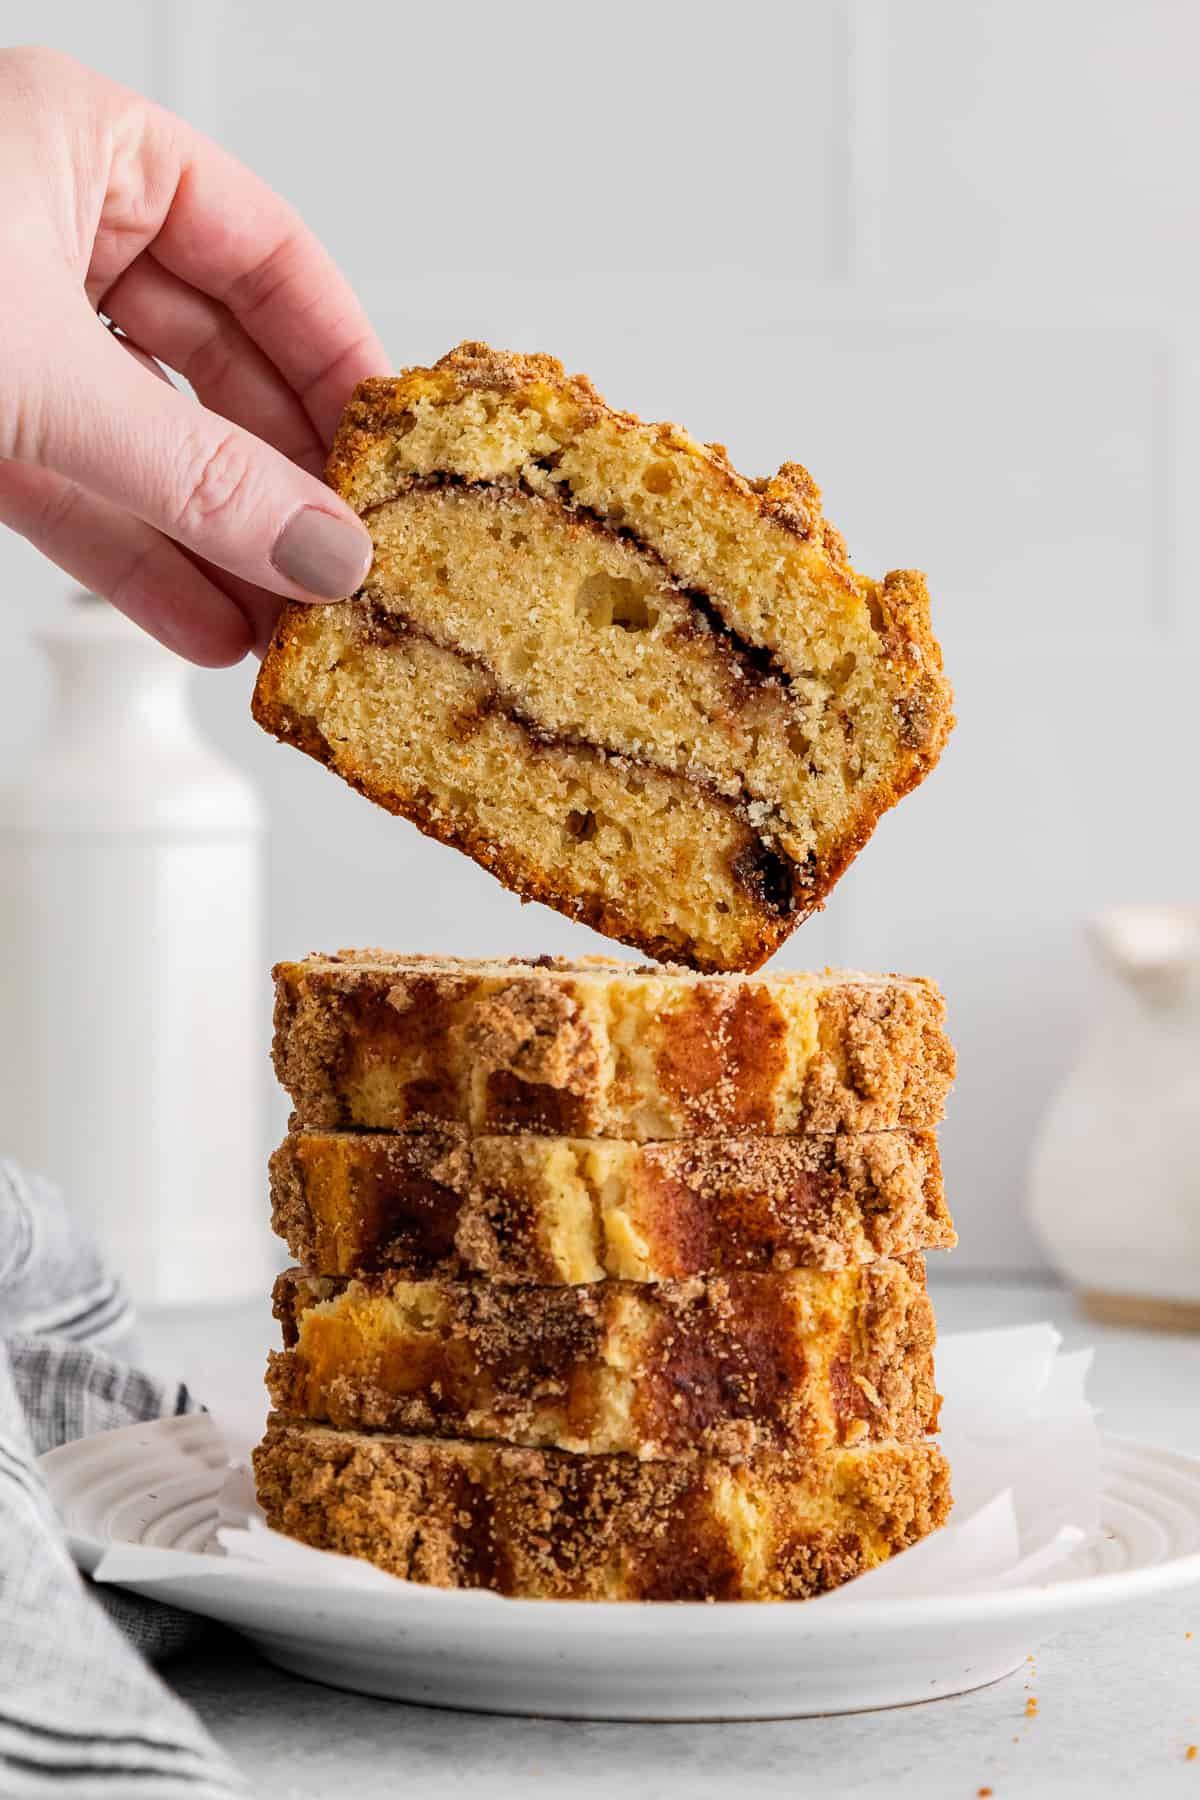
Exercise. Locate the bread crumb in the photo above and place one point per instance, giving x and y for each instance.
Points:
(1031, 1706)
(1190, 1753)
(984, 1793)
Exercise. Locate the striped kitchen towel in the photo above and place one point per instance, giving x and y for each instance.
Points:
(81, 1711)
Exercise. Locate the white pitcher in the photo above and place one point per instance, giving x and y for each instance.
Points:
(1115, 1193)
(130, 970)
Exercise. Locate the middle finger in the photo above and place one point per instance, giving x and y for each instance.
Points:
(200, 338)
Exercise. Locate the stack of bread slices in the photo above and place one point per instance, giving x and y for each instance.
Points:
(611, 1277)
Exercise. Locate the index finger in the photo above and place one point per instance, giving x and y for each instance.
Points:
(230, 235)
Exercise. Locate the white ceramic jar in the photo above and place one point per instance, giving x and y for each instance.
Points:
(130, 971)
(1115, 1191)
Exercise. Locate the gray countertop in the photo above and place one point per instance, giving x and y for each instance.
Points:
(1118, 1701)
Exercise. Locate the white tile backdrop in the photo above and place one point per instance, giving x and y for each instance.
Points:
(946, 253)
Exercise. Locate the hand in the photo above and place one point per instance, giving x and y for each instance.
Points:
(111, 205)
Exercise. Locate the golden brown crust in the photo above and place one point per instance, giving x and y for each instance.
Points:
(729, 1366)
(547, 1525)
(548, 1210)
(381, 404)
(363, 468)
(790, 498)
(604, 1049)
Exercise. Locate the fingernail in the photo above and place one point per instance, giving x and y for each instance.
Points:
(325, 555)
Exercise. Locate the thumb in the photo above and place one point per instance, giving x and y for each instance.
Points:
(104, 421)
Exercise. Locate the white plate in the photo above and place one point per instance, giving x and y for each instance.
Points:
(157, 1485)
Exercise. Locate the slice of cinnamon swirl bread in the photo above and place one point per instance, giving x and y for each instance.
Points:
(377, 1041)
(546, 1524)
(726, 1366)
(559, 1209)
(627, 680)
